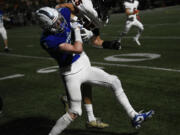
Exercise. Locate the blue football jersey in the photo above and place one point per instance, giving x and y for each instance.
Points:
(50, 42)
(1, 16)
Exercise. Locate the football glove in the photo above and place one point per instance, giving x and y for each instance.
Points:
(86, 34)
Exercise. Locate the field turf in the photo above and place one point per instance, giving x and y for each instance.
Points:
(31, 101)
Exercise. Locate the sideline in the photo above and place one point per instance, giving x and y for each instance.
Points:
(98, 63)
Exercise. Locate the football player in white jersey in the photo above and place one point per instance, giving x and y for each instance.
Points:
(131, 9)
(75, 66)
(3, 31)
(92, 19)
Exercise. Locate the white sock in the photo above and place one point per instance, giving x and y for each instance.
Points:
(123, 100)
(61, 124)
(89, 110)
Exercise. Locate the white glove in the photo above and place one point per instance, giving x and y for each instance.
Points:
(86, 34)
(75, 25)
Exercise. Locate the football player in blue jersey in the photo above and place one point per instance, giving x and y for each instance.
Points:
(75, 67)
(83, 11)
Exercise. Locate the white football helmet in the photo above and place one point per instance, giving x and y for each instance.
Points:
(51, 20)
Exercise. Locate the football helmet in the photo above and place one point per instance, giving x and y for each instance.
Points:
(50, 20)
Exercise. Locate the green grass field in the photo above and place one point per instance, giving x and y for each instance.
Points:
(31, 101)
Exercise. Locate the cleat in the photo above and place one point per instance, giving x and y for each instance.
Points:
(65, 102)
(137, 41)
(6, 50)
(97, 124)
(141, 117)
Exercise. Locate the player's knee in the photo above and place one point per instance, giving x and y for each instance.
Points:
(116, 83)
(75, 108)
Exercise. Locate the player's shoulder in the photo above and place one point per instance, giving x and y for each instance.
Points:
(136, 2)
(51, 41)
(127, 4)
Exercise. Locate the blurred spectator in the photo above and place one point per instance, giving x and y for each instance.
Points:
(22, 12)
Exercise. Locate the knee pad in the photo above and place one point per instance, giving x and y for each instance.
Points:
(75, 107)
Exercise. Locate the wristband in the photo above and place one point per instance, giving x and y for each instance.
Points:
(77, 35)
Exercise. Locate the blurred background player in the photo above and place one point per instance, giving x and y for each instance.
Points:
(93, 15)
(3, 31)
(131, 10)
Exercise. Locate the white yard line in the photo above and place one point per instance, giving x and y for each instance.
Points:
(11, 77)
(147, 37)
(100, 63)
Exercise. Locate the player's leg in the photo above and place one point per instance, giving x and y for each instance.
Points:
(88, 6)
(140, 27)
(87, 100)
(4, 36)
(93, 122)
(96, 39)
(100, 77)
(127, 28)
(98, 42)
(72, 83)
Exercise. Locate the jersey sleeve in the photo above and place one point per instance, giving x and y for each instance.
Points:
(53, 42)
(66, 13)
(126, 5)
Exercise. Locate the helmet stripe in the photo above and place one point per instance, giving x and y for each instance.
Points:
(46, 13)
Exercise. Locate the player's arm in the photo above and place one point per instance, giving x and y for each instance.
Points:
(129, 12)
(78, 44)
(6, 18)
(76, 48)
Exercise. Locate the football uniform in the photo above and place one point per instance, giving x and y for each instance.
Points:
(2, 29)
(132, 19)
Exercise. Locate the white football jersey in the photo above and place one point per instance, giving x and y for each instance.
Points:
(87, 11)
(131, 6)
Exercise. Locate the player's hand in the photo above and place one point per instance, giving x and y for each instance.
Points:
(75, 25)
(86, 34)
(136, 11)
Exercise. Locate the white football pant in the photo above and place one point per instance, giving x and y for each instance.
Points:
(129, 25)
(91, 75)
(3, 33)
